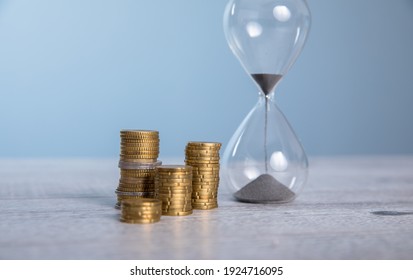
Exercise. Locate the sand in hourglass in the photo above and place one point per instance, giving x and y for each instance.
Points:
(265, 189)
(266, 82)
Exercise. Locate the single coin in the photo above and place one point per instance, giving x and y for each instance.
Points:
(176, 213)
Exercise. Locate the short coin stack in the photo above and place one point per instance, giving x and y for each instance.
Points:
(139, 152)
(173, 185)
(141, 211)
(204, 159)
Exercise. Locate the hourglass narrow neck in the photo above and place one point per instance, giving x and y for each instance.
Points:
(266, 97)
(266, 82)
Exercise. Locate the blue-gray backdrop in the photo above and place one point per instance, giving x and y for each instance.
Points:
(73, 73)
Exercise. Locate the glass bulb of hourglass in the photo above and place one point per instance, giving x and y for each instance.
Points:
(264, 161)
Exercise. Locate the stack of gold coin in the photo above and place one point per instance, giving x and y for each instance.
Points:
(141, 211)
(204, 159)
(135, 183)
(173, 185)
(139, 146)
(139, 152)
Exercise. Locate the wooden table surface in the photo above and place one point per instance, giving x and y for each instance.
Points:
(352, 208)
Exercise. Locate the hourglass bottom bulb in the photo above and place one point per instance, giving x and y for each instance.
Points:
(265, 189)
(266, 82)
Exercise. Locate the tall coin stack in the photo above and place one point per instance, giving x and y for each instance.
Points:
(204, 159)
(174, 188)
(139, 152)
(141, 211)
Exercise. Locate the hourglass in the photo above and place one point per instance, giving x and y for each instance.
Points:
(264, 162)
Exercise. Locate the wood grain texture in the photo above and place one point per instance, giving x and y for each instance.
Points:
(63, 209)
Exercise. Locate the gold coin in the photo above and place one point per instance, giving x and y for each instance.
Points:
(141, 142)
(137, 190)
(173, 168)
(174, 197)
(204, 186)
(123, 182)
(204, 200)
(162, 172)
(130, 137)
(202, 164)
(177, 178)
(131, 193)
(190, 149)
(206, 179)
(139, 171)
(137, 180)
(198, 157)
(141, 202)
(172, 186)
(199, 187)
(205, 169)
(141, 209)
(136, 173)
(149, 184)
(142, 161)
(204, 204)
(169, 203)
(142, 215)
(197, 198)
(172, 180)
(176, 213)
(137, 186)
(140, 156)
(139, 152)
(140, 221)
(203, 144)
(207, 207)
(200, 204)
(178, 209)
(139, 132)
(136, 196)
(139, 146)
(187, 180)
(138, 141)
(199, 191)
(174, 191)
(187, 205)
(206, 173)
(201, 154)
(206, 176)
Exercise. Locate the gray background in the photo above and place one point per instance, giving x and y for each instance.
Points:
(73, 73)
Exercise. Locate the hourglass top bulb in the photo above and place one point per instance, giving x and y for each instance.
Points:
(266, 36)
